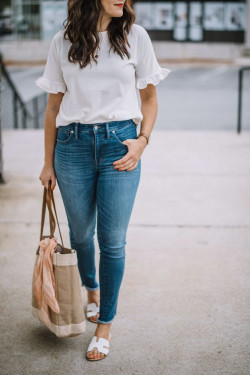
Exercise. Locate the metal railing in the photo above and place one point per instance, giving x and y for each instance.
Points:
(16, 113)
(240, 87)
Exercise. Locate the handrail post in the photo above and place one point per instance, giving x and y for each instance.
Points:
(239, 99)
(24, 118)
(240, 88)
(15, 110)
(35, 110)
(1, 144)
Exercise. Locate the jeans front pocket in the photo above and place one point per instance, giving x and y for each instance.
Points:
(121, 134)
(64, 135)
(117, 139)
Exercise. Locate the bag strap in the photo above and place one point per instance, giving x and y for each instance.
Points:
(54, 206)
(51, 218)
(48, 197)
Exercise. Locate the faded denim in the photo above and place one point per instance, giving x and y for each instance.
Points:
(93, 191)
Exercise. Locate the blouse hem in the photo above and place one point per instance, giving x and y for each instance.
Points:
(153, 79)
(50, 86)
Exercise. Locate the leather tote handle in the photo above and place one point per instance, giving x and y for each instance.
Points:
(48, 197)
(54, 206)
(51, 217)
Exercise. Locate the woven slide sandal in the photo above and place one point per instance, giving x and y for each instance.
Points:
(101, 344)
(92, 310)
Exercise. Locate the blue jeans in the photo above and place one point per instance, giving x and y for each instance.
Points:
(91, 188)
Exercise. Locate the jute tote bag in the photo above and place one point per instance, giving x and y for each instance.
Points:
(57, 299)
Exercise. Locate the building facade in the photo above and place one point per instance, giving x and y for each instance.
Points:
(193, 21)
(180, 21)
(179, 29)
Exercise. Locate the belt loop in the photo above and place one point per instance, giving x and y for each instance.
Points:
(107, 130)
(76, 130)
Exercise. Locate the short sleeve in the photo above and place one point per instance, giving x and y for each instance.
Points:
(52, 79)
(147, 69)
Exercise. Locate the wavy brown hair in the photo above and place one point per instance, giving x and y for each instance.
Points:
(81, 30)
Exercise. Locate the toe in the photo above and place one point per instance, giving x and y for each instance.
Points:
(90, 355)
(93, 318)
(99, 355)
(95, 354)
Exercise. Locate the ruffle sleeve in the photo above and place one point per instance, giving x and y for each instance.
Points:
(51, 86)
(147, 69)
(155, 78)
(52, 79)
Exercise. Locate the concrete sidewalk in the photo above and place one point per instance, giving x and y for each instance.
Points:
(184, 306)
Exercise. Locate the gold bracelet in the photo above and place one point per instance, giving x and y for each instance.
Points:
(144, 135)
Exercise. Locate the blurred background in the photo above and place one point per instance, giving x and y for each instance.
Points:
(184, 304)
(203, 42)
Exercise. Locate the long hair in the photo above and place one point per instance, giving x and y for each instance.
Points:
(81, 30)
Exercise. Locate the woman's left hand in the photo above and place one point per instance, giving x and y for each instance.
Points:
(132, 157)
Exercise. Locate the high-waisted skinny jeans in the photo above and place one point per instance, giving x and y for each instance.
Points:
(91, 188)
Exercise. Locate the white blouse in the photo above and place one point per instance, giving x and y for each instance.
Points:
(105, 91)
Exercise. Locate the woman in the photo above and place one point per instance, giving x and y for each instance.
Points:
(92, 148)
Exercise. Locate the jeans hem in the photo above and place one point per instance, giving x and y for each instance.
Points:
(96, 288)
(101, 321)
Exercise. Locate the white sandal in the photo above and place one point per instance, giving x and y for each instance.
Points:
(92, 310)
(102, 345)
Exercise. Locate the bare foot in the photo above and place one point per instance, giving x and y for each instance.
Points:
(102, 330)
(94, 296)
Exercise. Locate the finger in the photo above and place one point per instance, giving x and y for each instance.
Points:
(126, 165)
(126, 162)
(130, 163)
(133, 167)
(122, 160)
(53, 184)
(49, 184)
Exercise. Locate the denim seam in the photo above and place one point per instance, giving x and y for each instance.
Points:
(118, 140)
(104, 273)
(65, 141)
